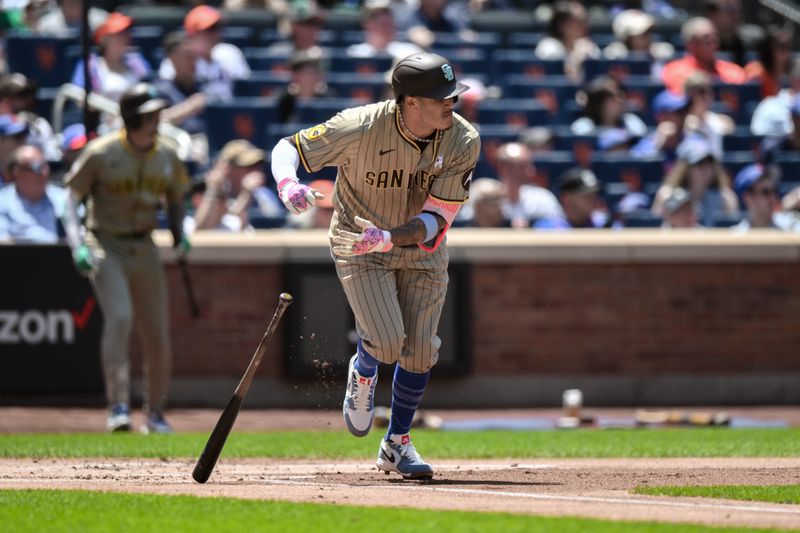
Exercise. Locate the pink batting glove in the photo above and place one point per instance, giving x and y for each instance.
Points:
(297, 197)
(370, 240)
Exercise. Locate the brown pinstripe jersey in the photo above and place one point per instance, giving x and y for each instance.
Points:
(124, 186)
(383, 175)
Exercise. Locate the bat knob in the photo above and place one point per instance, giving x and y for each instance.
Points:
(286, 297)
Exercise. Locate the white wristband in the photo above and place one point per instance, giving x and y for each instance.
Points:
(431, 225)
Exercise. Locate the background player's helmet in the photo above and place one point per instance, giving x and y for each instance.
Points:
(140, 99)
(425, 74)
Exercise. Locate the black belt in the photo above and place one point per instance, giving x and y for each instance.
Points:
(134, 235)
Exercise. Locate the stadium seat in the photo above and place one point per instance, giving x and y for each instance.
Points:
(268, 36)
(733, 162)
(789, 164)
(348, 37)
(453, 42)
(736, 97)
(167, 18)
(621, 167)
(492, 136)
(261, 84)
(641, 218)
(149, 40)
(513, 112)
(786, 186)
(524, 40)
(504, 21)
(365, 88)
(551, 91)
(241, 36)
(582, 147)
(45, 97)
(467, 61)
(320, 110)
(640, 91)
(741, 139)
(619, 69)
(726, 220)
(44, 59)
(505, 62)
(341, 62)
(549, 166)
(263, 59)
(245, 118)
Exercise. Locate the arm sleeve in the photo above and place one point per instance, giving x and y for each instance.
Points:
(71, 220)
(285, 160)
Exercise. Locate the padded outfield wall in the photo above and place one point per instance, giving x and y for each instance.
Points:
(632, 318)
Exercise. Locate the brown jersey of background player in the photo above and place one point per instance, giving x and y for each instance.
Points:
(122, 177)
(404, 169)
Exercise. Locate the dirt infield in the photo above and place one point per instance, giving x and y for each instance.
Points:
(588, 488)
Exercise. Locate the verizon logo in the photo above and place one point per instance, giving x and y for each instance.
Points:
(44, 327)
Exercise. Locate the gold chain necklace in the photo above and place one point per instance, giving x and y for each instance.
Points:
(409, 132)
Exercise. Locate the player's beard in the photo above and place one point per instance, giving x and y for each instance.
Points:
(446, 121)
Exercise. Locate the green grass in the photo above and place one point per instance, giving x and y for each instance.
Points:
(87, 512)
(719, 442)
(774, 494)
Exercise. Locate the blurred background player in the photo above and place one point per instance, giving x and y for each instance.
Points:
(123, 177)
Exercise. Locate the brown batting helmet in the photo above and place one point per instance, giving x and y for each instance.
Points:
(139, 100)
(426, 74)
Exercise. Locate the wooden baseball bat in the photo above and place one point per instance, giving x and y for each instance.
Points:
(187, 284)
(216, 441)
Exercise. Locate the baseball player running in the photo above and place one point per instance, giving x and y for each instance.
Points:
(404, 169)
(123, 176)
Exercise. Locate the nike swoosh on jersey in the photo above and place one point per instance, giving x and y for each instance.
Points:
(384, 152)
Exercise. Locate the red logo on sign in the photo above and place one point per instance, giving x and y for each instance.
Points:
(82, 318)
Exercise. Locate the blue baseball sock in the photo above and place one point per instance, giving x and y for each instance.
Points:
(407, 390)
(366, 365)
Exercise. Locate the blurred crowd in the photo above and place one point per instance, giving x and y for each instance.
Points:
(596, 114)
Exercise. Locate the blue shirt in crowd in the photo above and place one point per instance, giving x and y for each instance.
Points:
(35, 222)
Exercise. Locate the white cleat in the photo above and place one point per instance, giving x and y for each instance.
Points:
(359, 401)
(397, 454)
(119, 418)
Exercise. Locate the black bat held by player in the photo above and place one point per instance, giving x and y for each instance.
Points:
(187, 285)
(216, 441)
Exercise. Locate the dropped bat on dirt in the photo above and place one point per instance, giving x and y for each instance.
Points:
(205, 464)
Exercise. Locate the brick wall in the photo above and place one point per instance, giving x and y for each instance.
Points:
(542, 319)
(641, 319)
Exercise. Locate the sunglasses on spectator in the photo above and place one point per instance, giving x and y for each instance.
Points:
(704, 90)
(37, 167)
(766, 192)
(706, 39)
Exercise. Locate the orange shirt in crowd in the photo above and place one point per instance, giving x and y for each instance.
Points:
(770, 85)
(676, 72)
